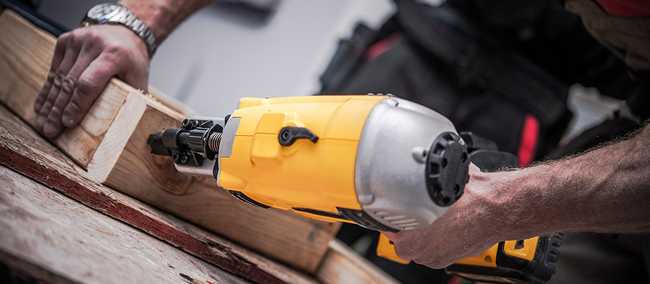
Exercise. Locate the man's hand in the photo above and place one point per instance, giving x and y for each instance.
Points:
(470, 226)
(87, 58)
(84, 61)
(604, 190)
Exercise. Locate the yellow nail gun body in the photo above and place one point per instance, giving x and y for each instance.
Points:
(378, 161)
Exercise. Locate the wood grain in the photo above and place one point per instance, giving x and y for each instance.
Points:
(342, 265)
(111, 145)
(59, 234)
(22, 150)
(25, 56)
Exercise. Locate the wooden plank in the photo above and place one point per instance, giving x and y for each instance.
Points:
(24, 63)
(52, 231)
(22, 150)
(110, 144)
(342, 265)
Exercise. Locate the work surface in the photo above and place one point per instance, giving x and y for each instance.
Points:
(64, 240)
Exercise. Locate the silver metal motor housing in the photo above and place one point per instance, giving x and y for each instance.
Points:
(390, 164)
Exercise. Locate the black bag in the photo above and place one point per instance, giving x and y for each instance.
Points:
(435, 56)
(500, 70)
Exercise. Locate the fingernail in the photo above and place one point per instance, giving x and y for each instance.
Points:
(68, 121)
(50, 130)
(45, 109)
(68, 85)
(40, 120)
(57, 81)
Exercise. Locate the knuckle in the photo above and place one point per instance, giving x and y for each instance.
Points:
(117, 50)
(64, 37)
(86, 85)
(93, 39)
(111, 63)
(72, 37)
(54, 117)
(46, 106)
(110, 58)
(55, 112)
(75, 39)
(50, 100)
(73, 106)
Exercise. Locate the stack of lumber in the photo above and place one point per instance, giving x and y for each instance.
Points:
(137, 211)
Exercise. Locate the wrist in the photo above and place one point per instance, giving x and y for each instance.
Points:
(519, 199)
(153, 14)
(162, 16)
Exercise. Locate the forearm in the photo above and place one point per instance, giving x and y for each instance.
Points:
(604, 190)
(163, 16)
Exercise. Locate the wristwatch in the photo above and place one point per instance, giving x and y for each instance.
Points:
(116, 14)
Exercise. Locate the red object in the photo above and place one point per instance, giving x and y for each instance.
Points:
(626, 8)
(455, 280)
(380, 47)
(529, 136)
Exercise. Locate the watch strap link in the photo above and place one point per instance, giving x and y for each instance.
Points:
(121, 15)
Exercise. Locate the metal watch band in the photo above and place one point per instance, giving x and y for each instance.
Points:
(115, 14)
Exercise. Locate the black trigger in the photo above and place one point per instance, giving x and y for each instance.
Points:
(288, 135)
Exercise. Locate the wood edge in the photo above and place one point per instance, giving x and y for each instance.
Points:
(338, 249)
(170, 102)
(156, 100)
(110, 148)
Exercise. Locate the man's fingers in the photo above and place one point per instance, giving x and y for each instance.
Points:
(405, 243)
(71, 53)
(84, 62)
(53, 124)
(90, 84)
(88, 53)
(45, 90)
(59, 52)
(62, 46)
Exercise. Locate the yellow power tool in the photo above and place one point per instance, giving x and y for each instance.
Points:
(377, 161)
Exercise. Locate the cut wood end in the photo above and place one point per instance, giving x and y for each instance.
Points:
(114, 142)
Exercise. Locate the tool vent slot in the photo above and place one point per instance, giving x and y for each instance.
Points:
(365, 220)
(397, 221)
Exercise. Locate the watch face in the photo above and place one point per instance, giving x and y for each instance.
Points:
(103, 12)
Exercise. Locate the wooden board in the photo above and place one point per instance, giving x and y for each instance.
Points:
(60, 235)
(342, 265)
(111, 145)
(22, 150)
(24, 63)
